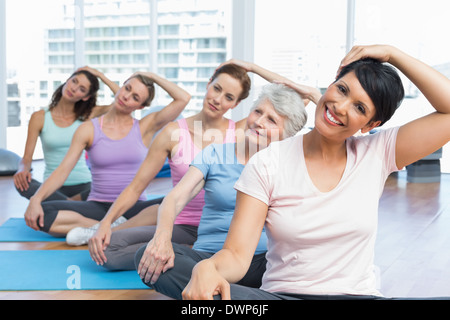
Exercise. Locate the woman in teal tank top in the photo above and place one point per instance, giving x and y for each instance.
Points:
(71, 104)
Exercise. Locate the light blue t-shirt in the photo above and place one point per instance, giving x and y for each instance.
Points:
(221, 170)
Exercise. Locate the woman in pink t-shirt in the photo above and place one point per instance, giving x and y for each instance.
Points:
(317, 194)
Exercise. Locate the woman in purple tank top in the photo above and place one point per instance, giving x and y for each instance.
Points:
(117, 144)
(229, 85)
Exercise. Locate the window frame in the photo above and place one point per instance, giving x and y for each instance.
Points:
(242, 47)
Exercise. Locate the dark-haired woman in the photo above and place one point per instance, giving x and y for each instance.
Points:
(72, 103)
(317, 194)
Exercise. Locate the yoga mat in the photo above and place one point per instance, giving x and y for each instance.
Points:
(16, 230)
(40, 270)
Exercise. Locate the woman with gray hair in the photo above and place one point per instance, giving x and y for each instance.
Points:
(278, 113)
(286, 102)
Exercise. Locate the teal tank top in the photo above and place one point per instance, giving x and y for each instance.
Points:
(55, 144)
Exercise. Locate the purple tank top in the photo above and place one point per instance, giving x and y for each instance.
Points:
(114, 163)
(179, 165)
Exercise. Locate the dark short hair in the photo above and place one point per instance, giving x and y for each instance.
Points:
(239, 74)
(381, 82)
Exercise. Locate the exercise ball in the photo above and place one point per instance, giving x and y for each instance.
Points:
(9, 163)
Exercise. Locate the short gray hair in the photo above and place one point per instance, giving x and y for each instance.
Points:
(287, 103)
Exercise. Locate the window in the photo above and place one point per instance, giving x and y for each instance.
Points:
(143, 31)
(205, 73)
(168, 44)
(303, 40)
(169, 73)
(170, 58)
(211, 58)
(143, 45)
(118, 39)
(307, 41)
(168, 30)
(31, 72)
(417, 30)
(141, 60)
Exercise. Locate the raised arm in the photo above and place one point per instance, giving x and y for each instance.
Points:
(156, 120)
(159, 256)
(111, 84)
(307, 93)
(99, 110)
(212, 276)
(254, 68)
(425, 135)
(81, 139)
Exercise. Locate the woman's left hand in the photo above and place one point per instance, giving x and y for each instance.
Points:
(381, 53)
(99, 242)
(158, 257)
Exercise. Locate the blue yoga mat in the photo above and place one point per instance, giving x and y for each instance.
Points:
(40, 270)
(16, 230)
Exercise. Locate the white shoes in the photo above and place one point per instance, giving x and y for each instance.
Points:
(80, 236)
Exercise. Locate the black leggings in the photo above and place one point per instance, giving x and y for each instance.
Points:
(62, 193)
(90, 209)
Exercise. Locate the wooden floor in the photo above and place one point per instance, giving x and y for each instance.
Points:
(412, 251)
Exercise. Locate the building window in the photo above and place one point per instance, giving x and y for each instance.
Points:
(168, 30)
(118, 39)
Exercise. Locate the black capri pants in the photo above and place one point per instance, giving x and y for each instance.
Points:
(90, 209)
(62, 193)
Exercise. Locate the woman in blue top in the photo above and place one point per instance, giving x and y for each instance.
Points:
(278, 113)
(72, 103)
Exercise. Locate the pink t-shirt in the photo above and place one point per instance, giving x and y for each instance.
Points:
(321, 243)
(179, 164)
